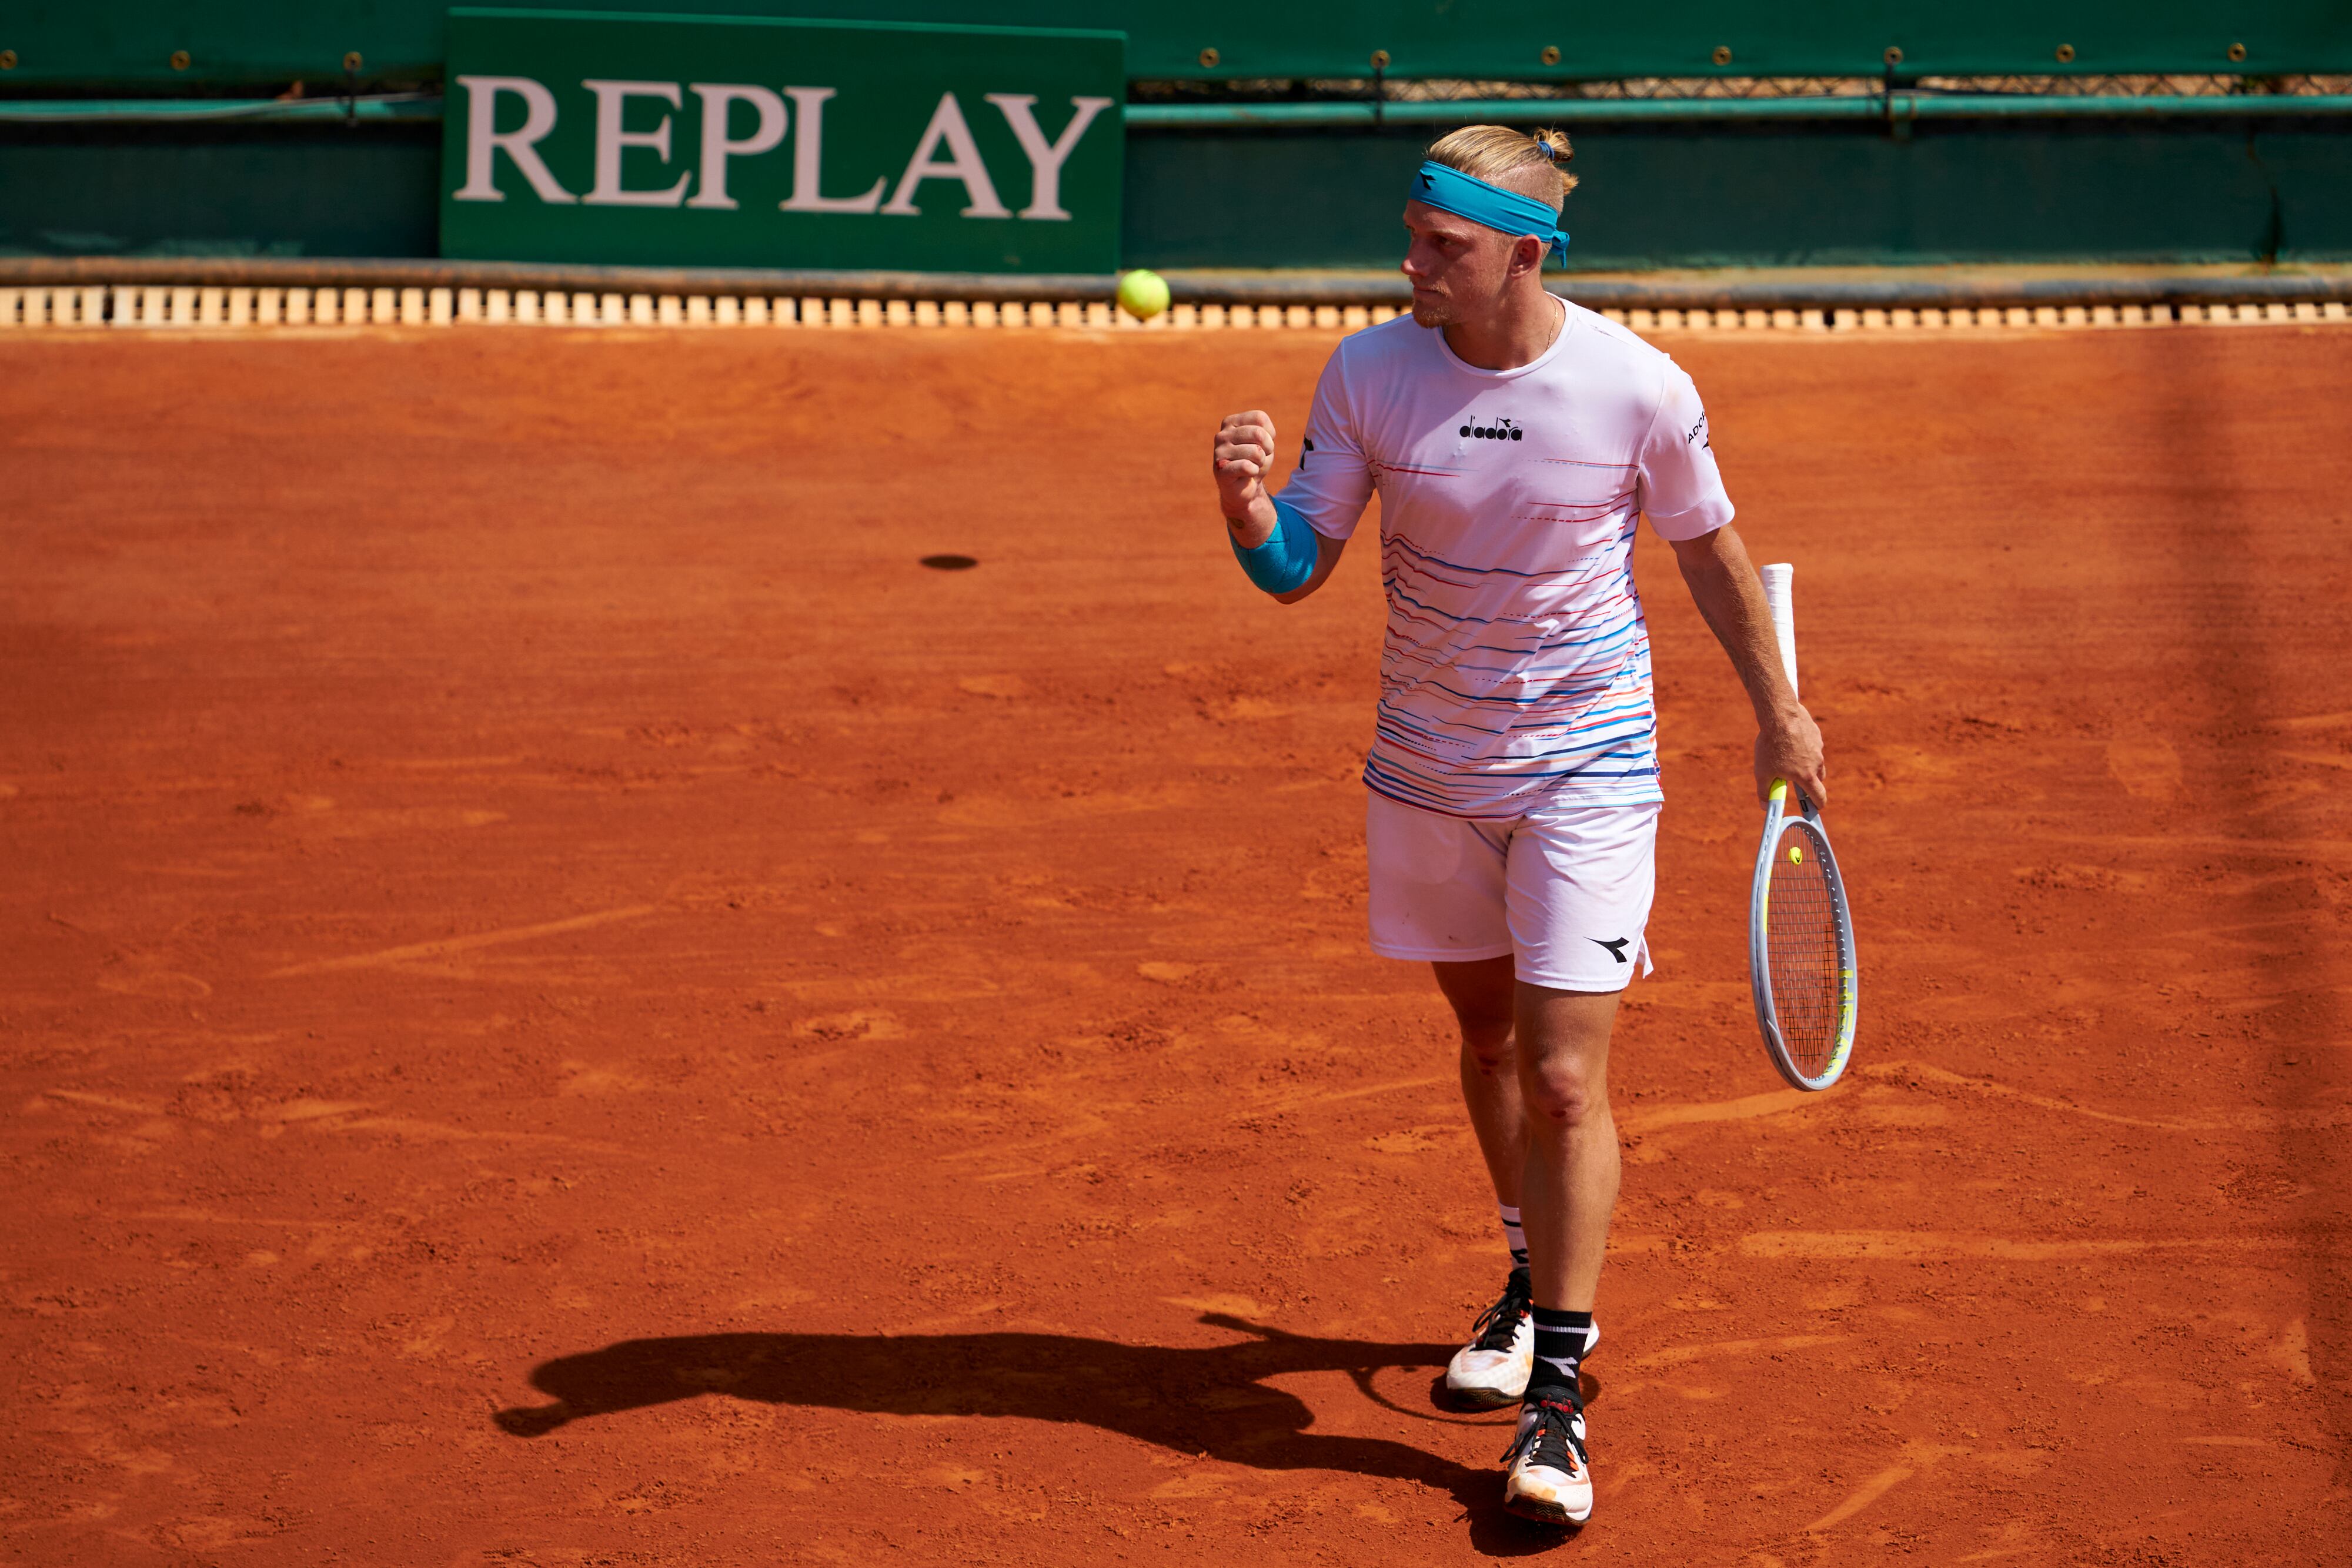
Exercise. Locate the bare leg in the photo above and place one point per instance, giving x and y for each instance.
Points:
(1571, 1170)
(1484, 996)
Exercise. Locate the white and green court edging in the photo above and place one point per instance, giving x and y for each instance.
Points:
(215, 308)
(264, 294)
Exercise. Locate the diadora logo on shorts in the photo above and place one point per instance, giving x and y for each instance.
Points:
(1615, 944)
(1501, 430)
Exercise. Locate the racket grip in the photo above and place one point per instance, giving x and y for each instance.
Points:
(1780, 598)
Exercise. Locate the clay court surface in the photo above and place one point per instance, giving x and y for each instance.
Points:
(567, 1002)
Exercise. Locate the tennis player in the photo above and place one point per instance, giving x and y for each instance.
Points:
(1515, 439)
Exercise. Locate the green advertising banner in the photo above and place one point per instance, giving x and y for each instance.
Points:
(738, 141)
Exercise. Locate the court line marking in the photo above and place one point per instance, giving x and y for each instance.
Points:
(464, 944)
(214, 1217)
(353, 1116)
(444, 1132)
(1870, 1492)
(1681, 1354)
(1088, 1126)
(1770, 1104)
(1278, 1103)
(2239, 1121)
(1908, 1245)
(2245, 843)
(1085, 1127)
(104, 1102)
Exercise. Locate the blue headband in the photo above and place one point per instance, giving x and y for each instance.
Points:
(1452, 191)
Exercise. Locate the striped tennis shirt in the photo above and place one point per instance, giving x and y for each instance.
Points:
(1517, 661)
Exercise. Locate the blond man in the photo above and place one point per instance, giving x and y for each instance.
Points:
(1515, 442)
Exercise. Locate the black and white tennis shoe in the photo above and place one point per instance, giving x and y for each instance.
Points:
(1550, 1477)
(1492, 1370)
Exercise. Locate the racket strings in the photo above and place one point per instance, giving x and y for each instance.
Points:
(1800, 930)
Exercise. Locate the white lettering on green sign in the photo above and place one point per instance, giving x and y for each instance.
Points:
(945, 151)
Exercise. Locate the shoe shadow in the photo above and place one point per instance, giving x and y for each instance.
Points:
(1208, 1400)
(1588, 1388)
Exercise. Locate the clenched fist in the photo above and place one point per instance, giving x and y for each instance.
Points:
(1241, 459)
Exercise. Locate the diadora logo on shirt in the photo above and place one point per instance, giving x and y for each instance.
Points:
(1501, 430)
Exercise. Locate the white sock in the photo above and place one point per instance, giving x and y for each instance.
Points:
(1514, 1235)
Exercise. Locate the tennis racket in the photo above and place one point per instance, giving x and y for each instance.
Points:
(1801, 964)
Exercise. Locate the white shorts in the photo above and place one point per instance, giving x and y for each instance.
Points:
(1565, 889)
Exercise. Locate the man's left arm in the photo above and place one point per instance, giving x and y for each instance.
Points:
(1724, 585)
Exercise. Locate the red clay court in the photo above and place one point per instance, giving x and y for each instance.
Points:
(569, 1003)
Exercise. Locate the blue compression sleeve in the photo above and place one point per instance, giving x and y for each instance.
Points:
(1287, 557)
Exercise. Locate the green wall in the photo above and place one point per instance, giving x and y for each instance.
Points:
(310, 189)
(1782, 194)
(132, 42)
(1659, 192)
(1655, 194)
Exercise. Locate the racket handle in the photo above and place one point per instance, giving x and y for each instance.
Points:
(1781, 601)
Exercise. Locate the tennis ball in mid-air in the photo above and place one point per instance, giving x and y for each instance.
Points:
(1143, 294)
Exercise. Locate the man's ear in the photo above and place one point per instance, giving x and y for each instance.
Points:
(1527, 254)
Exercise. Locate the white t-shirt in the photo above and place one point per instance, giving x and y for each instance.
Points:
(1517, 661)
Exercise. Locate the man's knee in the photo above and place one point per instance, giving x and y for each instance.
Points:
(1560, 1090)
(1482, 1000)
(1487, 1043)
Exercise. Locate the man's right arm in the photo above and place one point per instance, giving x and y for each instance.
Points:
(1272, 541)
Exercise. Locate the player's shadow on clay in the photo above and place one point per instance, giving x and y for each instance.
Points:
(1206, 1400)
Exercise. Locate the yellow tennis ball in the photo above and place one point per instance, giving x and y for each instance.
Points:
(1796, 854)
(1143, 294)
